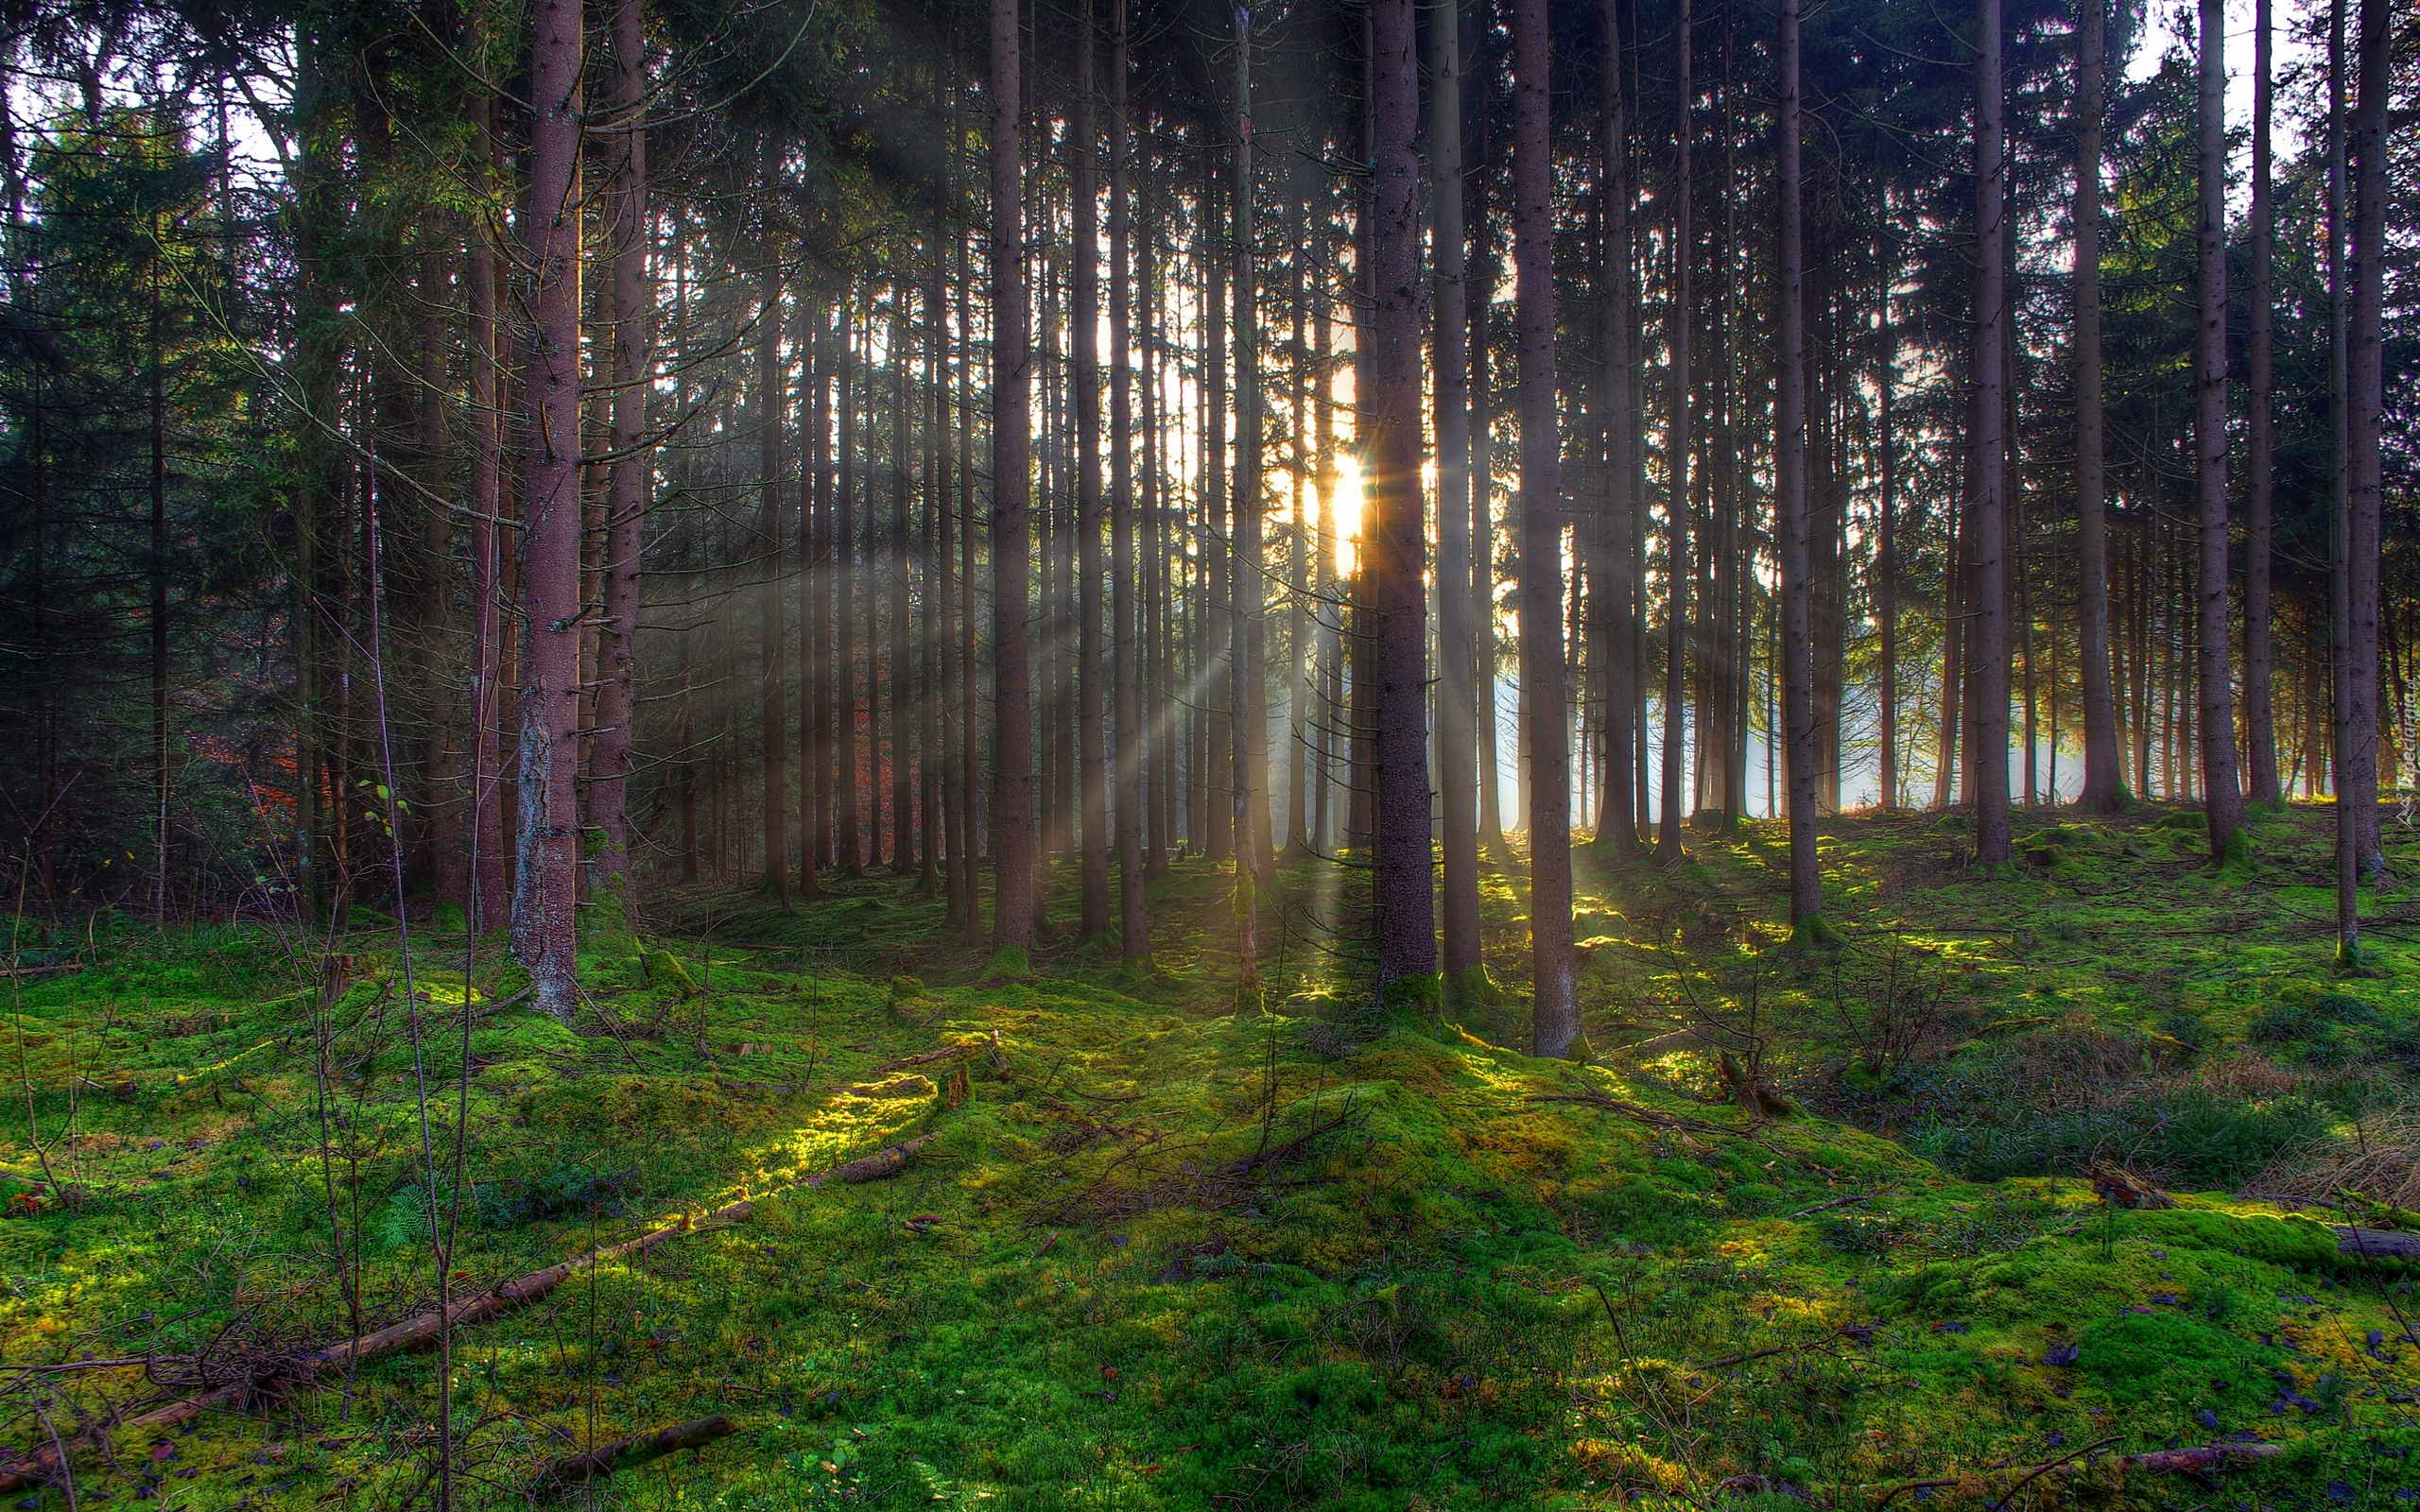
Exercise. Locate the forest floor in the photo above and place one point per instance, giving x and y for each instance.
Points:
(1159, 1250)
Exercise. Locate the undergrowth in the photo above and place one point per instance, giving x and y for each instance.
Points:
(1820, 1234)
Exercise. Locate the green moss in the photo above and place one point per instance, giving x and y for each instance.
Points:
(1070, 1296)
(1471, 990)
(665, 973)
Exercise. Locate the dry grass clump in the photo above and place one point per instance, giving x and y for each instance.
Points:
(2381, 1161)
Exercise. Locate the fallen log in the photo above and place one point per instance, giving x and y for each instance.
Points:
(872, 1167)
(2375, 1244)
(574, 1469)
(2202, 1457)
(413, 1333)
(926, 1058)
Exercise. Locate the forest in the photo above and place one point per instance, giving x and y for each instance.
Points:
(1401, 754)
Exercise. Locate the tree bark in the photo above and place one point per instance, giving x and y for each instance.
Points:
(2259, 658)
(1133, 922)
(2104, 779)
(1617, 804)
(1246, 702)
(1092, 770)
(632, 477)
(546, 883)
(2358, 785)
(1790, 443)
(773, 389)
(1457, 698)
(1393, 552)
(842, 571)
(1987, 487)
(1886, 559)
(1554, 1022)
(1676, 465)
(1011, 502)
(2222, 797)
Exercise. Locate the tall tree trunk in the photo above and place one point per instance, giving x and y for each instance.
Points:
(970, 789)
(1676, 464)
(1251, 575)
(1134, 924)
(1092, 770)
(814, 642)
(904, 698)
(2259, 658)
(1329, 669)
(1789, 443)
(2364, 412)
(627, 496)
(1987, 489)
(1217, 773)
(2105, 779)
(2222, 796)
(2339, 575)
(1157, 701)
(1483, 269)
(941, 591)
(842, 570)
(1554, 1021)
(1456, 699)
(1011, 503)
(546, 882)
(157, 570)
(1393, 552)
(1617, 811)
(1886, 557)
(1298, 586)
(1245, 701)
(773, 644)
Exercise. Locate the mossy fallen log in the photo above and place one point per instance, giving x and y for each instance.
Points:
(424, 1329)
(574, 1469)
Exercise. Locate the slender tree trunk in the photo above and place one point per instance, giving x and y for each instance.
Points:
(970, 788)
(2364, 412)
(1250, 583)
(157, 570)
(1987, 489)
(1134, 932)
(1012, 741)
(1297, 584)
(1483, 269)
(843, 576)
(2222, 796)
(1245, 701)
(904, 696)
(2340, 577)
(1393, 552)
(1329, 671)
(814, 645)
(1676, 463)
(2259, 711)
(1092, 770)
(2105, 779)
(1886, 557)
(772, 644)
(941, 590)
(1617, 813)
(1789, 442)
(1554, 1022)
(545, 886)
(633, 477)
(1217, 773)
(904, 693)
(1456, 699)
